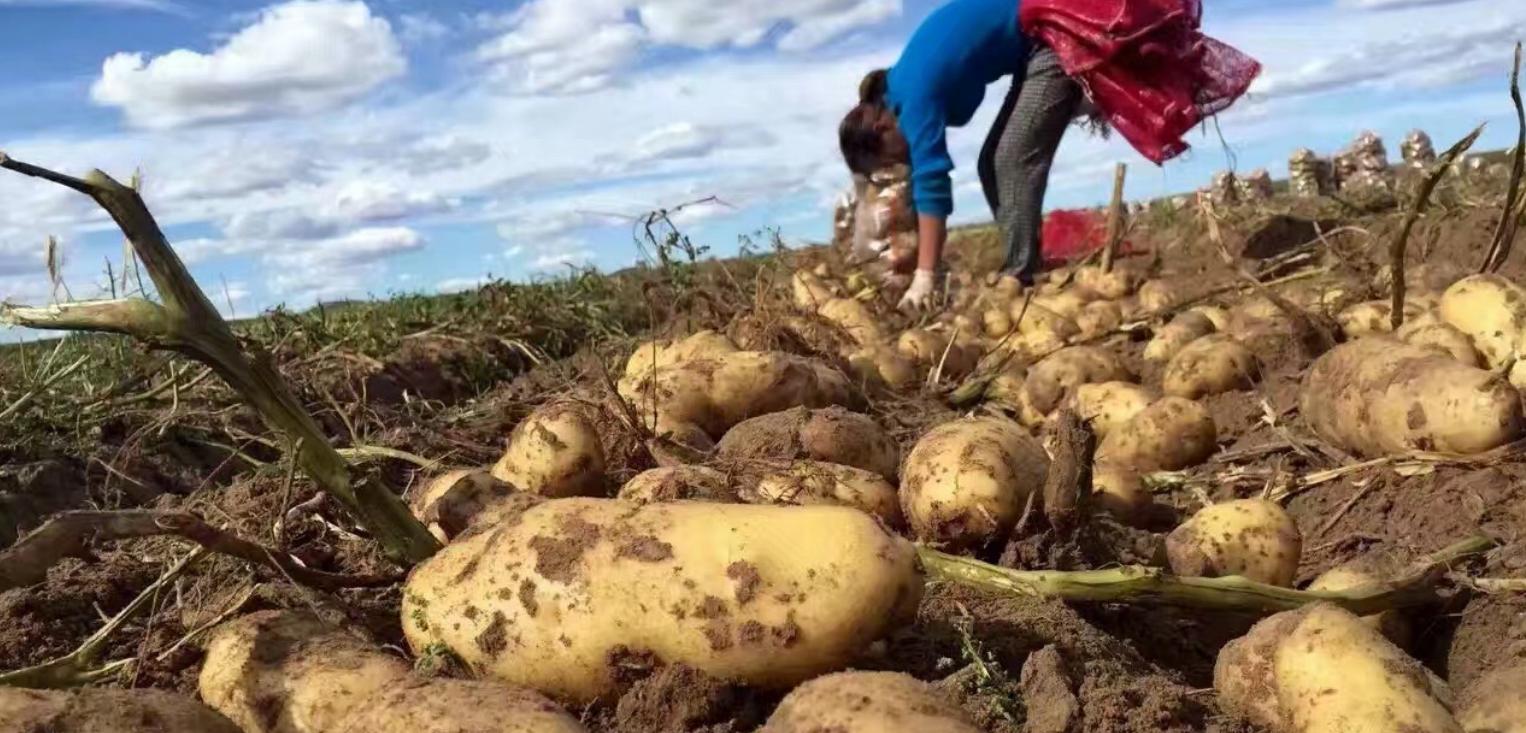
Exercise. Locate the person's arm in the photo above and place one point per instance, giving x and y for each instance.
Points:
(923, 123)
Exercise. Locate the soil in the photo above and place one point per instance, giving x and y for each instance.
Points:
(1011, 663)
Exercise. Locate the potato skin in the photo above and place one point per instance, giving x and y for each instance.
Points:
(831, 434)
(451, 501)
(719, 392)
(884, 366)
(459, 706)
(555, 451)
(1110, 405)
(1211, 365)
(1169, 435)
(1051, 381)
(1244, 674)
(927, 349)
(966, 481)
(867, 702)
(1099, 318)
(810, 291)
(1430, 332)
(1253, 538)
(1364, 570)
(1155, 296)
(563, 599)
(855, 318)
(1377, 396)
(679, 483)
(1115, 285)
(1491, 310)
(98, 710)
(1336, 674)
(1495, 703)
(289, 672)
(1171, 338)
(1120, 491)
(814, 482)
(657, 354)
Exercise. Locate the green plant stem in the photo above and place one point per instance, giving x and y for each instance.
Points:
(1155, 586)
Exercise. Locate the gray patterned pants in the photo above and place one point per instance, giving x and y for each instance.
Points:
(1014, 163)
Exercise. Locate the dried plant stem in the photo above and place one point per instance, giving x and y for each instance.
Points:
(1396, 250)
(1509, 223)
(1115, 214)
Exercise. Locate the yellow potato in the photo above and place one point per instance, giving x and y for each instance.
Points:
(855, 318)
(555, 451)
(1211, 365)
(1099, 318)
(1169, 435)
(1157, 296)
(680, 483)
(719, 392)
(654, 355)
(1215, 315)
(996, 322)
(1037, 320)
(1374, 317)
(814, 482)
(831, 434)
(1067, 303)
(965, 482)
(1336, 674)
(98, 710)
(867, 702)
(884, 366)
(451, 501)
(1253, 538)
(1429, 331)
(460, 706)
(575, 591)
(1377, 396)
(1171, 338)
(1053, 380)
(927, 349)
(1244, 673)
(1364, 571)
(1115, 285)
(1107, 406)
(1119, 491)
(1491, 310)
(1496, 703)
(810, 290)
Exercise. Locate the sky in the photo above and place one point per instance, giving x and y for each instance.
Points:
(314, 150)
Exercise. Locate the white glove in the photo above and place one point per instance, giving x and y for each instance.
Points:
(924, 288)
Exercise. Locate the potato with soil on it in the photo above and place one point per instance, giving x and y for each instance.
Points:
(867, 702)
(719, 392)
(813, 482)
(928, 349)
(451, 501)
(579, 594)
(1336, 674)
(1054, 380)
(654, 355)
(1374, 317)
(555, 451)
(885, 367)
(1066, 303)
(1120, 491)
(1496, 702)
(1429, 331)
(1157, 296)
(1211, 365)
(289, 672)
(1244, 673)
(1491, 310)
(1252, 538)
(1107, 406)
(1041, 324)
(996, 322)
(1099, 319)
(1115, 285)
(810, 291)
(966, 482)
(855, 318)
(680, 483)
(1377, 396)
(1185, 328)
(1370, 569)
(95, 710)
(1169, 435)
(831, 434)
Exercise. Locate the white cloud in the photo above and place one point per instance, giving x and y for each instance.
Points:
(300, 57)
(418, 28)
(705, 24)
(682, 140)
(163, 6)
(1394, 4)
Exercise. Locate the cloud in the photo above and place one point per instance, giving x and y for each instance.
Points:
(686, 140)
(297, 58)
(565, 47)
(421, 28)
(342, 206)
(1394, 4)
(162, 6)
(347, 266)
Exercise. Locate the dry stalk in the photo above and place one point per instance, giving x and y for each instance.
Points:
(1509, 223)
(186, 322)
(1396, 250)
(1115, 226)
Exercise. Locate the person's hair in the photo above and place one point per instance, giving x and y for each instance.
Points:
(869, 135)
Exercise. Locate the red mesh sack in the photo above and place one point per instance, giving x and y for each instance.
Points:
(1145, 64)
(1071, 234)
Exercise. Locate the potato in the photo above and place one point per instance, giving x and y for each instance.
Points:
(1169, 435)
(810, 290)
(1115, 285)
(832, 434)
(289, 672)
(451, 501)
(1367, 570)
(867, 702)
(1218, 316)
(1211, 365)
(96, 710)
(1336, 674)
(855, 318)
(884, 366)
(1157, 296)
(966, 481)
(1495, 703)
(555, 451)
(657, 354)
(459, 706)
(1053, 380)
(1375, 317)
(814, 482)
(1491, 310)
(1099, 318)
(1429, 331)
(1038, 319)
(1253, 538)
(1119, 491)
(679, 483)
(996, 322)
(1067, 303)
(1377, 396)
(927, 349)
(1171, 338)
(1109, 405)
(567, 599)
(1244, 675)
(719, 392)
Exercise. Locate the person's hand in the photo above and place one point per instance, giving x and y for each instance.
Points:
(923, 291)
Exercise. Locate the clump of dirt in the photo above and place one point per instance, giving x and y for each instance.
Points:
(680, 699)
(1490, 634)
(49, 620)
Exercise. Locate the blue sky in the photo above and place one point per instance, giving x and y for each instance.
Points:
(320, 149)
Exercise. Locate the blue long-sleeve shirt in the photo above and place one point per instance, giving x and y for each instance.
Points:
(940, 80)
